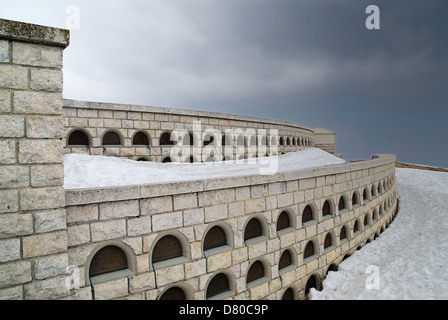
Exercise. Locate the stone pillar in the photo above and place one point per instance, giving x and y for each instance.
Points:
(33, 235)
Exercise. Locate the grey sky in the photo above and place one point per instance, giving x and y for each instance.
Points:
(311, 62)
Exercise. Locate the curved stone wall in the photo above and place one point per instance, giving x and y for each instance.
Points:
(136, 218)
(247, 137)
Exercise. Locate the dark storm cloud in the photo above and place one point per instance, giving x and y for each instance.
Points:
(312, 62)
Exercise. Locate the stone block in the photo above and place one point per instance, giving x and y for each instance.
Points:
(77, 235)
(50, 266)
(26, 102)
(47, 175)
(9, 250)
(4, 51)
(44, 244)
(254, 205)
(85, 213)
(5, 101)
(156, 205)
(44, 127)
(15, 273)
(46, 80)
(49, 289)
(37, 55)
(218, 261)
(214, 213)
(42, 198)
(166, 221)
(40, 151)
(107, 230)
(12, 293)
(49, 220)
(12, 126)
(185, 201)
(119, 209)
(13, 77)
(14, 177)
(193, 216)
(14, 225)
(208, 198)
(170, 274)
(139, 226)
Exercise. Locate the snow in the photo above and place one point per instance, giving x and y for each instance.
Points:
(411, 255)
(85, 171)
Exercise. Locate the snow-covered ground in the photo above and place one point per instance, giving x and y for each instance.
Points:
(84, 171)
(410, 258)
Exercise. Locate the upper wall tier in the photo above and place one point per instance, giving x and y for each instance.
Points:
(149, 133)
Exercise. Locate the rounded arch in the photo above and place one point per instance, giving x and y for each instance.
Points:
(290, 293)
(366, 195)
(141, 139)
(220, 285)
(112, 138)
(311, 250)
(313, 281)
(356, 227)
(168, 249)
(109, 260)
(285, 221)
(344, 233)
(176, 292)
(329, 241)
(309, 214)
(288, 260)
(343, 203)
(255, 228)
(328, 208)
(79, 137)
(217, 238)
(165, 139)
(258, 272)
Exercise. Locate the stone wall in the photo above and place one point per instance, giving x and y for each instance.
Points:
(95, 119)
(134, 218)
(33, 234)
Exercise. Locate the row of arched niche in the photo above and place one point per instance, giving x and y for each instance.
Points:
(172, 248)
(80, 137)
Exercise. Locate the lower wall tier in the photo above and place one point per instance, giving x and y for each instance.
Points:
(251, 237)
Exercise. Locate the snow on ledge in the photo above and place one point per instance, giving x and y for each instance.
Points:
(85, 171)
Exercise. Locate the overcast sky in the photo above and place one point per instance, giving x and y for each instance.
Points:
(312, 62)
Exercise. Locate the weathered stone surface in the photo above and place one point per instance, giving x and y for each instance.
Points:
(13, 77)
(44, 244)
(49, 289)
(49, 220)
(7, 151)
(108, 230)
(42, 198)
(4, 51)
(82, 213)
(40, 151)
(47, 103)
(50, 266)
(77, 235)
(46, 80)
(139, 226)
(9, 249)
(111, 289)
(165, 221)
(13, 177)
(5, 101)
(47, 175)
(12, 225)
(119, 209)
(156, 205)
(44, 127)
(170, 274)
(37, 55)
(12, 126)
(15, 273)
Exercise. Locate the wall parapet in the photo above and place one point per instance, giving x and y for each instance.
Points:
(131, 192)
(348, 206)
